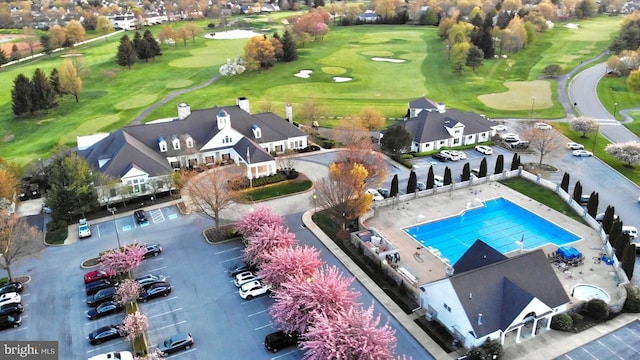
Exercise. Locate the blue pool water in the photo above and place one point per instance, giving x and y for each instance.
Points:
(500, 223)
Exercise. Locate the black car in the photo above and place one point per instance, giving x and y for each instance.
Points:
(14, 286)
(11, 309)
(97, 285)
(34, 191)
(101, 296)
(384, 192)
(280, 340)
(176, 343)
(24, 194)
(154, 291)
(152, 250)
(241, 267)
(439, 157)
(140, 216)
(10, 321)
(105, 333)
(104, 309)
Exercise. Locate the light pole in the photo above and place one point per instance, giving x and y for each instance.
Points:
(113, 213)
(615, 108)
(533, 103)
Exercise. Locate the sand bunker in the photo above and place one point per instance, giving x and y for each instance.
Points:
(572, 26)
(232, 34)
(305, 74)
(341, 79)
(389, 60)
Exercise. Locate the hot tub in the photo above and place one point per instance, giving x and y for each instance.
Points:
(586, 292)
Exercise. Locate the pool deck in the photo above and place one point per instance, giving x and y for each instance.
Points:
(390, 219)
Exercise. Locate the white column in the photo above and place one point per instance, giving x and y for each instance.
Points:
(518, 334)
(535, 325)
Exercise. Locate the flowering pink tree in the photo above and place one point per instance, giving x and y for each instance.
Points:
(265, 240)
(124, 259)
(155, 355)
(300, 300)
(352, 334)
(127, 291)
(134, 325)
(286, 262)
(254, 220)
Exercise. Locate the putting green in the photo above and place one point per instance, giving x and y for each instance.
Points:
(333, 70)
(522, 95)
(89, 126)
(178, 83)
(135, 102)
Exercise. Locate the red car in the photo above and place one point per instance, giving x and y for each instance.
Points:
(97, 275)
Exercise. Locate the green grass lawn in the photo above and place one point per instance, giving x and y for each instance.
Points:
(271, 191)
(615, 90)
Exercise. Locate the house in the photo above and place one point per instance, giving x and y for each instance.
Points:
(432, 126)
(144, 156)
(491, 296)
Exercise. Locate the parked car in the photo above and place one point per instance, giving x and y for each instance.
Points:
(150, 279)
(154, 291)
(176, 343)
(24, 194)
(14, 286)
(97, 275)
(450, 155)
(581, 153)
(600, 217)
(105, 333)
(152, 250)
(10, 321)
(10, 298)
(420, 186)
(244, 277)
(542, 126)
(95, 286)
(253, 288)
(10, 309)
(101, 296)
(376, 195)
(84, 230)
(34, 191)
(279, 340)
(584, 199)
(384, 192)
(483, 149)
(631, 230)
(520, 145)
(439, 157)
(511, 139)
(499, 127)
(461, 154)
(575, 146)
(104, 309)
(117, 355)
(140, 216)
(241, 267)
(438, 181)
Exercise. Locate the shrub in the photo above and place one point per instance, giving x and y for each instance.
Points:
(597, 309)
(633, 299)
(56, 224)
(211, 25)
(562, 322)
(491, 348)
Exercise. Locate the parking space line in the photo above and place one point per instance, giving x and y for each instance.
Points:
(228, 250)
(165, 313)
(231, 259)
(97, 228)
(168, 326)
(97, 320)
(152, 270)
(99, 348)
(157, 216)
(181, 353)
(284, 354)
(262, 327)
(257, 313)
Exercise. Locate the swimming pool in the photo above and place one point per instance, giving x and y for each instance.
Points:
(586, 292)
(499, 223)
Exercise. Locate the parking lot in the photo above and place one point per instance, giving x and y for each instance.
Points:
(623, 344)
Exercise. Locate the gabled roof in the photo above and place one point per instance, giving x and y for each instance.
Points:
(499, 291)
(478, 255)
(256, 153)
(422, 103)
(430, 126)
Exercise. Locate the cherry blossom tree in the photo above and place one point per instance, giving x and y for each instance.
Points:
(284, 263)
(127, 291)
(124, 259)
(254, 220)
(628, 152)
(155, 355)
(134, 325)
(266, 240)
(584, 125)
(353, 334)
(299, 300)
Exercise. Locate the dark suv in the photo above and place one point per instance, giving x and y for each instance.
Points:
(97, 285)
(10, 321)
(280, 340)
(101, 296)
(11, 309)
(140, 216)
(439, 157)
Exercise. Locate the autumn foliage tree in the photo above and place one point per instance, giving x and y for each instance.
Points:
(259, 53)
(359, 150)
(314, 23)
(17, 240)
(252, 221)
(300, 301)
(265, 240)
(287, 262)
(69, 80)
(124, 259)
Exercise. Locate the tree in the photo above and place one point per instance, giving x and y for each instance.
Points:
(370, 118)
(352, 334)
(127, 291)
(3, 57)
(21, 95)
(542, 141)
(552, 70)
(592, 205)
(103, 26)
(607, 219)
(633, 81)
(252, 221)
(30, 38)
(134, 325)
(412, 183)
(155, 49)
(70, 82)
(182, 34)
(15, 53)
(360, 151)
(499, 164)
(289, 50)
(394, 186)
(57, 36)
(166, 34)
(72, 191)
(628, 152)
(265, 240)
(17, 240)
(396, 140)
(44, 96)
(286, 262)
(459, 53)
(300, 301)
(54, 79)
(124, 259)
(474, 57)
(564, 185)
(312, 111)
(577, 191)
(127, 53)
(277, 46)
(192, 30)
(482, 172)
(584, 125)
(7, 185)
(628, 260)
(153, 355)
(448, 180)
(75, 32)
(259, 53)
(616, 230)
(514, 35)
(430, 178)
(313, 23)
(515, 162)
(210, 194)
(47, 45)
(466, 172)
(233, 67)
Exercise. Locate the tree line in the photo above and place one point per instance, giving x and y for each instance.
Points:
(142, 47)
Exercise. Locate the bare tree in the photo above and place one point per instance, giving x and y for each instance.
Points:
(266, 105)
(17, 240)
(286, 161)
(311, 111)
(542, 141)
(210, 193)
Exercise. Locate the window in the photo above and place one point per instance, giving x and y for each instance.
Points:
(226, 140)
(162, 144)
(176, 144)
(138, 185)
(189, 142)
(447, 307)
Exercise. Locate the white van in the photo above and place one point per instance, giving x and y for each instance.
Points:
(631, 230)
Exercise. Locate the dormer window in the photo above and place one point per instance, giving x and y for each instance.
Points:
(176, 142)
(162, 144)
(257, 133)
(189, 141)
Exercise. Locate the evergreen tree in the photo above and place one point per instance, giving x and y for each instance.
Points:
(620, 244)
(279, 54)
(503, 20)
(607, 220)
(515, 162)
(153, 44)
(15, 53)
(412, 184)
(629, 259)
(592, 205)
(126, 52)
(21, 95)
(3, 57)
(447, 176)
(499, 164)
(577, 192)
(483, 168)
(430, 178)
(289, 47)
(564, 185)
(47, 46)
(43, 95)
(54, 79)
(474, 57)
(137, 40)
(616, 229)
(394, 186)
(466, 172)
